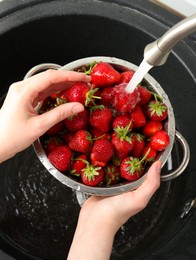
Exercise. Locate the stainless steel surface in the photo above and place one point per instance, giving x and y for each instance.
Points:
(157, 52)
(185, 160)
(123, 187)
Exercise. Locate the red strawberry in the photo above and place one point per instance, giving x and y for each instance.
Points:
(112, 174)
(81, 141)
(145, 95)
(138, 145)
(55, 128)
(122, 143)
(96, 134)
(79, 163)
(77, 122)
(149, 153)
(131, 169)
(124, 101)
(83, 93)
(68, 137)
(78, 92)
(101, 118)
(126, 76)
(92, 175)
(61, 157)
(152, 127)
(53, 143)
(103, 74)
(106, 96)
(160, 140)
(122, 121)
(57, 94)
(138, 117)
(62, 97)
(102, 151)
(157, 110)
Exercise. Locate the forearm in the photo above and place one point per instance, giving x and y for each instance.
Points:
(93, 240)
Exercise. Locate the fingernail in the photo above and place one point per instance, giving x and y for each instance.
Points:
(77, 108)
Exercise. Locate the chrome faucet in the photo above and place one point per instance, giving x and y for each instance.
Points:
(157, 52)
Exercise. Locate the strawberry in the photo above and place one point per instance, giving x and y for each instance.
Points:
(79, 163)
(145, 95)
(77, 122)
(103, 74)
(68, 137)
(112, 174)
(81, 141)
(157, 110)
(149, 153)
(61, 157)
(122, 121)
(152, 127)
(122, 143)
(101, 118)
(92, 175)
(160, 140)
(106, 96)
(126, 76)
(96, 134)
(55, 128)
(102, 151)
(131, 168)
(138, 145)
(53, 143)
(83, 93)
(57, 94)
(124, 101)
(138, 117)
(62, 97)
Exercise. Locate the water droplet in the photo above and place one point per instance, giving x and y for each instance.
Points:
(164, 96)
(77, 187)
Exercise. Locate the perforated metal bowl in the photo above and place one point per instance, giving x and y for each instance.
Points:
(169, 126)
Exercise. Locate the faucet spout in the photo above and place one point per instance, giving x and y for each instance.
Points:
(157, 52)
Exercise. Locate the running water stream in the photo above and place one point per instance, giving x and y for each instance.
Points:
(140, 73)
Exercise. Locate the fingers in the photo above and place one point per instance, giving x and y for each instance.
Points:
(50, 81)
(143, 194)
(45, 121)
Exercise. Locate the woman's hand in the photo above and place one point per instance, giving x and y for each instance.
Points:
(101, 217)
(20, 125)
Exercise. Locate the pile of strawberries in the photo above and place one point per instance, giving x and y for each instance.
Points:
(115, 138)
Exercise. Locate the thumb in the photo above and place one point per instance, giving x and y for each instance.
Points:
(47, 120)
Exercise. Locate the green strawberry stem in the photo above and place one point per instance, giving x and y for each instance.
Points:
(122, 132)
(91, 66)
(143, 158)
(156, 96)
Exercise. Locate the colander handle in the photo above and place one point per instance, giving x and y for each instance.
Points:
(185, 160)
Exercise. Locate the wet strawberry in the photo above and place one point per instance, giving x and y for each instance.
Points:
(112, 174)
(101, 118)
(106, 96)
(149, 153)
(92, 175)
(152, 127)
(79, 163)
(160, 140)
(77, 122)
(124, 101)
(122, 143)
(123, 121)
(53, 143)
(126, 76)
(81, 142)
(138, 145)
(96, 134)
(102, 151)
(157, 110)
(131, 169)
(55, 129)
(61, 157)
(103, 74)
(145, 95)
(57, 94)
(138, 117)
